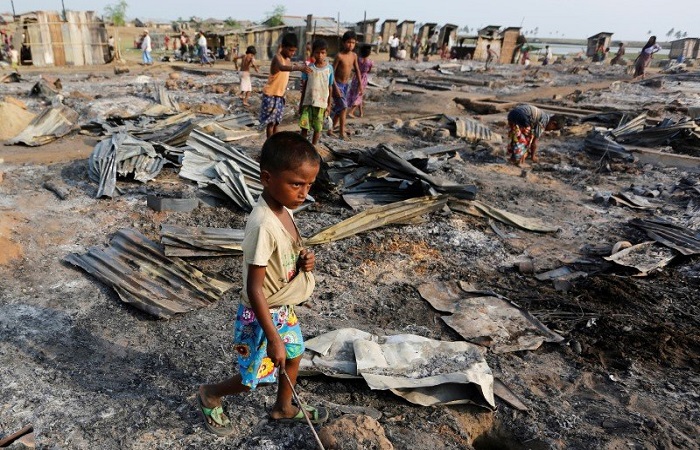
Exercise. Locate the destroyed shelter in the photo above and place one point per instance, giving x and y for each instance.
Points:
(266, 38)
(405, 30)
(504, 42)
(388, 30)
(366, 30)
(594, 41)
(79, 40)
(686, 48)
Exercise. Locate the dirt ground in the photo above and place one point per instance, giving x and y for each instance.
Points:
(88, 371)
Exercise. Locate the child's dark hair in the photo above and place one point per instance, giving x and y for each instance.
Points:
(290, 40)
(350, 34)
(251, 50)
(287, 150)
(319, 44)
(365, 51)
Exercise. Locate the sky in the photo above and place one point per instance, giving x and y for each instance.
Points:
(552, 18)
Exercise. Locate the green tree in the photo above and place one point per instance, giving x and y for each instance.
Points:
(116, 13)
(670, 32)
(679, 33)
(231, 22)
(274, 18)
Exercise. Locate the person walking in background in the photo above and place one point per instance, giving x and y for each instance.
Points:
(355, 98)
(415, 47)
(644, 58)
(618, 59)
(547, 55)
(491, 55)
(146, 48)
(202, 49)
(247, 61)
(433, 41)
(393, 47)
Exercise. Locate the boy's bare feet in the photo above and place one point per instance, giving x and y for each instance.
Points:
(330, 133)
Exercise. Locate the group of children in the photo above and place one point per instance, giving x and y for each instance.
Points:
(326, 91)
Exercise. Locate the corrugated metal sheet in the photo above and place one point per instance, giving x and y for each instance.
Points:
(682, 239)
(201, 241)
(473, 130)
(145, 278)
(211, 162)
(122, 154)
(378, 217)
(51, 124)
(386, 158)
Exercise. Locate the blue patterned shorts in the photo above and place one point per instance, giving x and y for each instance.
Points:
(250, 343)
(341, 103)
(271, 109)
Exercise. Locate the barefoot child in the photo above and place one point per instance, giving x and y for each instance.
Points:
(316, 92)
(355, 98)
(247, 61)
(273, 93)
(276, 276)
(345, 62)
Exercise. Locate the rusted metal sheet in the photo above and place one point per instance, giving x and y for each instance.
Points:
(378, 217)
(679, 238)
(53, 123)
(79, 40)
(145, 278)
(201, 241)
(483, 318)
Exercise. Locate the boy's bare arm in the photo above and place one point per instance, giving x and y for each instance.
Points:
(275, 347)
(292, 67)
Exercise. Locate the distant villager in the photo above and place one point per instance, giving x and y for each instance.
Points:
(526, 123)
(644, 58)
(618, 59)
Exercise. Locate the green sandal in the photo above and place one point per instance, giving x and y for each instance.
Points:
(222, 425)
(317, 415)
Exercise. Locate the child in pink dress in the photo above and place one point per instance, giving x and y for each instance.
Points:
(355, 96)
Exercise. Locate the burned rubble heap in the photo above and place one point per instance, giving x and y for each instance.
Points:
(445, 277)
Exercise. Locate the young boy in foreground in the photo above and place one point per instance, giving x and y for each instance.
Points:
(273, 93)
(276, 276)
(316, 91)
(345, 62)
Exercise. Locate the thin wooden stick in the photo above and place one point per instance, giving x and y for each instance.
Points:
(16, 435)
(303, 411)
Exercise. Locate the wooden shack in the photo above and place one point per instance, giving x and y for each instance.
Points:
(425, 31)
(79, 40)
(509, 44)
(266, 38)
(686, 48)
(388, 30)
(448, 35)
(597, 39)
(489, 35)
(366, 30)
(405, 30)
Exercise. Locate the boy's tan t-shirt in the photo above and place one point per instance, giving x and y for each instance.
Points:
(267, 243)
